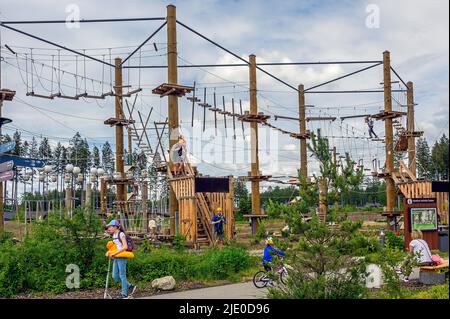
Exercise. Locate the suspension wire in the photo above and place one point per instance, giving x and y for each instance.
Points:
(84, 69)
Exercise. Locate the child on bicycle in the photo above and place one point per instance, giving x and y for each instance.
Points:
(269, 252)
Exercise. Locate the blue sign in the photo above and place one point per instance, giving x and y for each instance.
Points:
(4, 148)
(22, 162)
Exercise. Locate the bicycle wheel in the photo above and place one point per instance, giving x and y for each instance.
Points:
(283, 276)
(260, 279)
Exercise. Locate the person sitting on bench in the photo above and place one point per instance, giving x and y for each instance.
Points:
(420, 247)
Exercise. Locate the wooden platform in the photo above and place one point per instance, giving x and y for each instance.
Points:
(166, 89)
(7, 95)
(258, 118)
(388, 115)
(116, 121)
(381, 174)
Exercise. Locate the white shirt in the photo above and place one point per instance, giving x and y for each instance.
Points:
(117, 241)
(420, 246)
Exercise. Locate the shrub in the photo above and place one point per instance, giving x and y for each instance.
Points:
(394, 241)
(320, 268)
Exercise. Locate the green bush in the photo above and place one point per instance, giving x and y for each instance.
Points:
(38, 264)
(394, 241)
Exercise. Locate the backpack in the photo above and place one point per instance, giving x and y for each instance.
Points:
(130, 242)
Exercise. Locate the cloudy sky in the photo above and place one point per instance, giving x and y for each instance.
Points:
(415, 32)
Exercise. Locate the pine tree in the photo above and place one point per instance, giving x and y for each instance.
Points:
(33, 151)
(96, 157)
(18, 147)
(25, 149)
(57, 157)
(439, 156)
(423, 158)
(107, 158)
(45, 151)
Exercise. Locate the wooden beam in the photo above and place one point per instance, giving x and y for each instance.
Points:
(389, 132)
(256, 208)
(172, 75)
(303, 148)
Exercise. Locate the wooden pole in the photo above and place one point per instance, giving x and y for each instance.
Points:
(389, 145)
(303, 150)
(172, 77)
(323, 199)
(334, 157)
(144, 191)
(410, 129)
(119, 131)
(256, 205)
(103, 196)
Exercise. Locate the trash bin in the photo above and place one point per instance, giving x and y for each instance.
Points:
(443, 239)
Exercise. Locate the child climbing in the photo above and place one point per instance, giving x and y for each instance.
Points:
(179, 152)
(218, 221)
(370, 124)
(120, 252)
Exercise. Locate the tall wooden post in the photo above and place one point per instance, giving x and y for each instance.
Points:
(172, 78)
(256, 205)
(389, 143)
(410, 129)
(323, 205)
(144, 195)
(103, 196)
(334, 157)
(119, 131)
(303, 150)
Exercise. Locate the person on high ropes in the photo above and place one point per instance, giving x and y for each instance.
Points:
(179, 154)
(370, 123)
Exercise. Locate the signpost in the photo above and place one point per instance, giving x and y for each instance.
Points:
(22, 162)
(420, 213)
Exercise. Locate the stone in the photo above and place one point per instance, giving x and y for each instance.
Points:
(374, 278)
(165, 283)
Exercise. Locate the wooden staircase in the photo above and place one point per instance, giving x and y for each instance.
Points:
(184, 189)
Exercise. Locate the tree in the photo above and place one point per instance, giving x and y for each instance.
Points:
(33, 151)
(57, 157)
(25, 149)
(44, 150)
(439, 156)
(96, 157)
(323, 263)
(18, 147)
(348, 178)
(79, 152)
(107, 158)
(423, 158)
(242, 199)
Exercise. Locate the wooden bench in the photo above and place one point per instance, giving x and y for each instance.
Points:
(433, 275)
(438, 268)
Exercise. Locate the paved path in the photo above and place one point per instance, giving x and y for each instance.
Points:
(235, 291)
